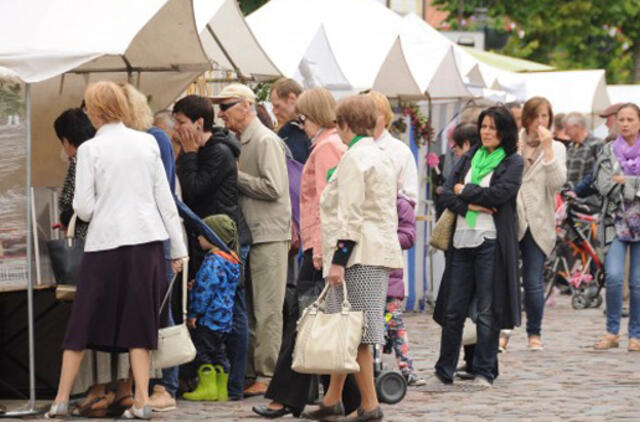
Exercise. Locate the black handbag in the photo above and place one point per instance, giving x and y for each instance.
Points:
(66, 255)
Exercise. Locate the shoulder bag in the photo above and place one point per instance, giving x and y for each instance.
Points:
(174, 343)
(66, 255)
(328, 343)
(443, 230)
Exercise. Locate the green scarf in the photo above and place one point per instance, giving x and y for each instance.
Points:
(482, 164)
(352, 143)
(226, 230)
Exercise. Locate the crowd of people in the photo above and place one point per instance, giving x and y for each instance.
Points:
(328, 198)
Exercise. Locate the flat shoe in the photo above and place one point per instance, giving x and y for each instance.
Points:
(325, 413)
(58, 409)
(138, 413)
(362, 416)
(268, 413)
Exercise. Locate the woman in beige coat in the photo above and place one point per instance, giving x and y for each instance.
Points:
(545, 172)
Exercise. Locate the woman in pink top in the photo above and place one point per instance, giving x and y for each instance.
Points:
(288, 390)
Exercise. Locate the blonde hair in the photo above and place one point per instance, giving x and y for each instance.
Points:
(382, 106)
(358, 113)
(140, 115)
(106, 101)
(318, 105)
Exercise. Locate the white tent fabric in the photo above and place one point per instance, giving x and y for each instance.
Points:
(70, 43)
(624, 93)
(370, 45)
(228, 40)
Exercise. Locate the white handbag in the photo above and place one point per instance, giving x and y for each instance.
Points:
(328, 343)
(174, 343)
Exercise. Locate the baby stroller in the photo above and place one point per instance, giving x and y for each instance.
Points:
(391, 386)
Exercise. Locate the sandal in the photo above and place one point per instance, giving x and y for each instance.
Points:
(138, 413)
(58, 409)
(117, 408)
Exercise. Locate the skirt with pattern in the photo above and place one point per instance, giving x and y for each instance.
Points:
(367, 292)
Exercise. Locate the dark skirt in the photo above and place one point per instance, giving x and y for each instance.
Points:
(117, 300)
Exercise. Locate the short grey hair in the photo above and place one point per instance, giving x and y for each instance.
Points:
(164, 115)
(575, 118)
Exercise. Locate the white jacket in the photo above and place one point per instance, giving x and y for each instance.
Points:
(359, 204)
(404, 163)
(122, 190)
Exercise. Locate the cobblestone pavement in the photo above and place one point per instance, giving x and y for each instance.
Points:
(568, 381)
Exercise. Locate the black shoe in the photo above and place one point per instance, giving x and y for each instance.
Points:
(465, 376)
(265, 412)
(373, 416)
(325, 413)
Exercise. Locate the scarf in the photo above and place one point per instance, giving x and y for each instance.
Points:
(482, 164)
(628, 156)
(529, 148)
(226, 230)
(354, 141)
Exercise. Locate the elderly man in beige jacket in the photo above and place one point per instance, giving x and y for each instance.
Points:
(264, 187)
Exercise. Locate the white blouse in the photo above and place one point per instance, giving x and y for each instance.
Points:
(122, 191)
(466, 236)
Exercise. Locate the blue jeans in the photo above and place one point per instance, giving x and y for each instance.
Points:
(614, 272)
(237, 342)
(471, 276)
(532, 276)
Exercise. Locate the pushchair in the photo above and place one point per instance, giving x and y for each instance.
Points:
(391, 386)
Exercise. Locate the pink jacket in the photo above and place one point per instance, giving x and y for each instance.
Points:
(326, 153)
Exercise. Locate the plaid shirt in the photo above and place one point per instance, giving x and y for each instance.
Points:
(581, 158)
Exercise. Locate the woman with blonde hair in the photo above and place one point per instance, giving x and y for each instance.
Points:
(122, 190)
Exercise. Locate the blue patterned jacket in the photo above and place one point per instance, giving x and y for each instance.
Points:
(211, 297)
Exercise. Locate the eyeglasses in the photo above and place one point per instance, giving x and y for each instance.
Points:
(302, 118)
(227, 106)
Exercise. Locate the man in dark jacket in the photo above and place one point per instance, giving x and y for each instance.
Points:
(283, 96)
(208, 172)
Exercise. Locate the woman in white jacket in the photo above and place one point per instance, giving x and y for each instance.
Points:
(545, 172)
(122, 191)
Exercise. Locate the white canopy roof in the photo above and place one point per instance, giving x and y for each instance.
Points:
(369, 43)
(228, 40)
(69, 43)
(624, 93)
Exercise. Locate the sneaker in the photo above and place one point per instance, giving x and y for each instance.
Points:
(535, 343)
(608, 341)
(161, 401)
(415, 380)
(482, 382)
(634, 345)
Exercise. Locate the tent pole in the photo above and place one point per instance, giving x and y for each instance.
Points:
(30, 408)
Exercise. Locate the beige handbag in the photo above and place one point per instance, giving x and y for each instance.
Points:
(174, 343)
(328, 343)
(443, 230)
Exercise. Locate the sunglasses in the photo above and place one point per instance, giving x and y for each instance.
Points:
(227, 106)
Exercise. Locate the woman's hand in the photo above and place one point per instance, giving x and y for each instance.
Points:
(480, 208)
(619, 179)
(317, 262)
(191, 322)
(545, 136)
(457, 189)
(176, 265)
(188, 138)
(336, 275)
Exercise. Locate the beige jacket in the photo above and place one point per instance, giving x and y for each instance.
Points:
(359, 204)
(263, 181)
(537, 198)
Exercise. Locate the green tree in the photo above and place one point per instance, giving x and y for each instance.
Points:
(568, 34)
(248, 6)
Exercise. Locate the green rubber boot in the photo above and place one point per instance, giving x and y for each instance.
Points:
(207, 389)
(222, 381)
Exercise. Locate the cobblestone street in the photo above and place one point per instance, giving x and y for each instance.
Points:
(568, 381)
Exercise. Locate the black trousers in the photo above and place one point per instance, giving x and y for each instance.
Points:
(210, 349)
(293, 389)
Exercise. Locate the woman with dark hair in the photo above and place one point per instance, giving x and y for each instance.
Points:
(481, 263)
(545, 172)
(72, 128)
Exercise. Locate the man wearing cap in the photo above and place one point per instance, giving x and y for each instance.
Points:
(264, 187)
(609, 114)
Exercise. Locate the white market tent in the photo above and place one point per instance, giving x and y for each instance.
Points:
(624, 93)
(369, 44)
(228, 40)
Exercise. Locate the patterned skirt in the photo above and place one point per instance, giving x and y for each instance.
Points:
(367, 292)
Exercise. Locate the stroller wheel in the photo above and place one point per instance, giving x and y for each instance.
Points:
(391, 387)
(596, 301)
(579, 301)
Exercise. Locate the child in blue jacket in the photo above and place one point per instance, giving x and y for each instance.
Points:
(211, 310)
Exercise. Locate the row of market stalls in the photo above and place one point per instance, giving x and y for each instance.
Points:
(162, 46)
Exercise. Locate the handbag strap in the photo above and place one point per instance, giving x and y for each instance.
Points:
(346, 306)
(185, 275)
(71, 229)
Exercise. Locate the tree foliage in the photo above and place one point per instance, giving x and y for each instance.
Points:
(248, 6)
(567, 34)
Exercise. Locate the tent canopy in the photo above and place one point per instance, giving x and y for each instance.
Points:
(624, 93)
(511, 64)
(228, 40)
(367, 42)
